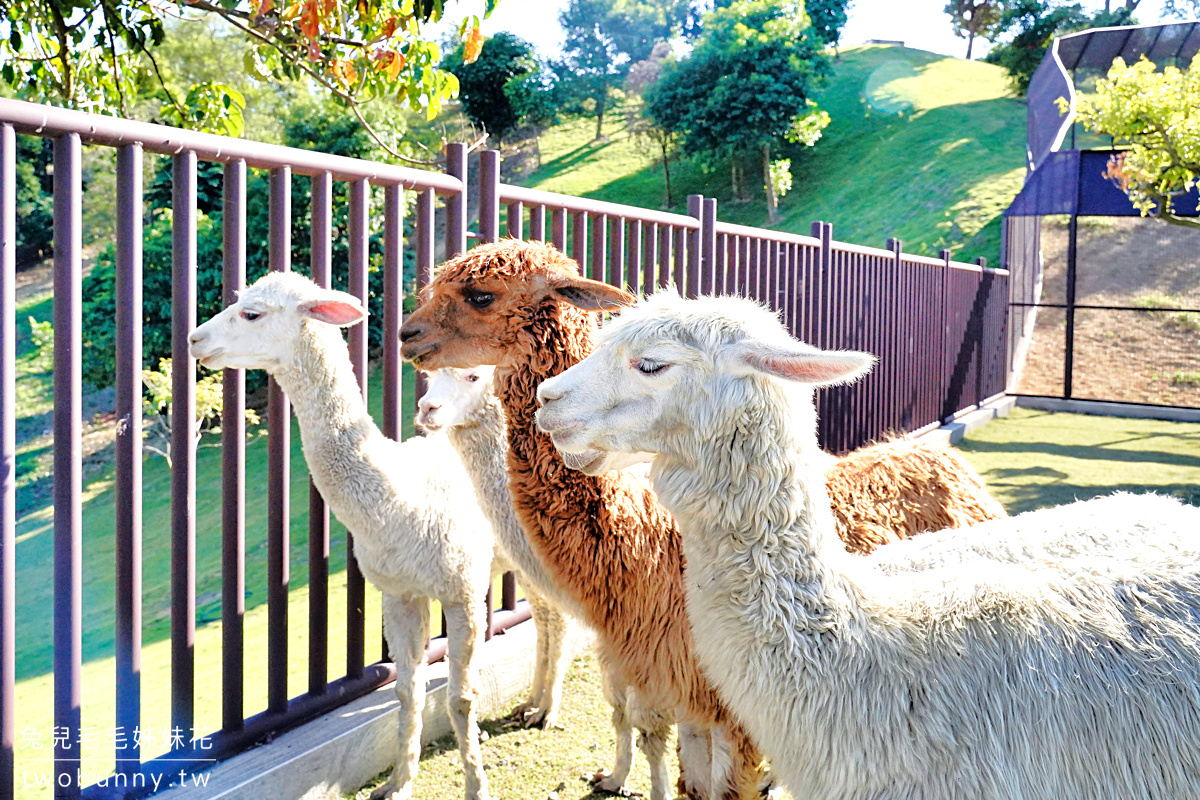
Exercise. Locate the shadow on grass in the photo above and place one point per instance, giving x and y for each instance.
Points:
(1101, 452)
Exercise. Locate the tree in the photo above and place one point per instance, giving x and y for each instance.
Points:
(1182, 9)
(603, 39)
(745, 86)
(828, 18)
(1156, 116)
(973, 18)
(1033, 24)
(651, 137)
(99, 55)
(493, 89)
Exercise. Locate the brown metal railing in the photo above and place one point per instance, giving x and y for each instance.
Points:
(938, 326)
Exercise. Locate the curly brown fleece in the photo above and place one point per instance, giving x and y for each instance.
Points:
(899, 488)
(605, 538)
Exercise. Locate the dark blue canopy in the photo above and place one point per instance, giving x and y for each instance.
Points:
(1073, 182)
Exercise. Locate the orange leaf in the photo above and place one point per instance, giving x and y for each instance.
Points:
(349, 73)
(473, 44)
(394, 66)
(389, 28)
(314, 52)
(310, 20)
(328, 7)
(265, 7)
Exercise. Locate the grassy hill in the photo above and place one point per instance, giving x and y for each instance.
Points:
(924, 147)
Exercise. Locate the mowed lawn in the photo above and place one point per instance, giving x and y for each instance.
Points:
(1029, 459)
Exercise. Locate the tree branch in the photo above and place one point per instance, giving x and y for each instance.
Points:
(112, 53)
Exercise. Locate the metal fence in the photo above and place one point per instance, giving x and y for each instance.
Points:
(939, 328)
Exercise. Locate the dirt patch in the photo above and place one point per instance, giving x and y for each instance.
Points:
(1131, 356)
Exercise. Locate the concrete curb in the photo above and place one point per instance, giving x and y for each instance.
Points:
(341, 751)
(953, 432)
(1103, 409)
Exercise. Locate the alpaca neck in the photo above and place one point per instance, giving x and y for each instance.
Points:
(333, 418)
(482, 444)
(758, 530)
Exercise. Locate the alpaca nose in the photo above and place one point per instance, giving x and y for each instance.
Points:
(196, 336)
(427, 408)
(409, 331)
(547, 394)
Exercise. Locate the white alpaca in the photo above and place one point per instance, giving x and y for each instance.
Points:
(1051, 655)
(461, 402)
(418, 532)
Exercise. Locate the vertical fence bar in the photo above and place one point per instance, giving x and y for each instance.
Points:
(537, 223)
(279, 434)
(8, 455)
(321, 267)
(633, 261)
(579, 226)
(425, 256)
(233, 463)
(514, 220)
(650, 258)
(599, 248)
(128, 601)
(558, 224)
(358, 240)
(508, 591)
(691, 269)
(1069, 337)
(664, 255)
(616, 267)
(680, 265)
(456, 204)
(708, 247)
(183, 445)
(393, 277)
(489, 196)
(68, 482)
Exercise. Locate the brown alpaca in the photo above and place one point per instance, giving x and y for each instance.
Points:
(899, 488)
(524, 308)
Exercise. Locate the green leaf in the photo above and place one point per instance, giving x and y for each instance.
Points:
(489, 7)
(14, 39)
(8, 73)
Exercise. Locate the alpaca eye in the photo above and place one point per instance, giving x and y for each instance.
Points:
(250, 316)
(648, 367)
(479, 299)
(472, 378)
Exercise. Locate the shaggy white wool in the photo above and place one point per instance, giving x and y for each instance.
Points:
(1052, 655)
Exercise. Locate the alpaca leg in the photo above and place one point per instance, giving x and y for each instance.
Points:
(556, 667)
(406, 625)
(655, 730)
(695, 761)
(530, 711)
(465, 639)
(613, 780)
(736, 763)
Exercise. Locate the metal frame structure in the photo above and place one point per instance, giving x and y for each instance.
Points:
(938, 326)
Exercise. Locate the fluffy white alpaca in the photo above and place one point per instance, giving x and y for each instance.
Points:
(1051, 655)
(418, 532)
(461, 402)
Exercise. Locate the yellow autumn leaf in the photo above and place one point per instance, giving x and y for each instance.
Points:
(474, 42)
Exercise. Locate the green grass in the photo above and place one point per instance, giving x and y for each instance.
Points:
(532, 764)
(1033, 459)
(35, 594)
(923, 147)
(1029, 459)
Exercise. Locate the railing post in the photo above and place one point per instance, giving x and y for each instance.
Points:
(279, 430)
(489, 196)
(946, 412)
(456, 204)
(128, 601)
(425, 250)
(579, 226)
(708, 247)
(690, 286)
(8, 454)
(393, 291)
(599, 248)
(233, 459)
(183, 446)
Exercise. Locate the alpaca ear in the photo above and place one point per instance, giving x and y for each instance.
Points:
(335, 308)
(592, 295)
(801, 362)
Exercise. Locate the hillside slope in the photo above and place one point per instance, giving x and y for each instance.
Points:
(924, 147)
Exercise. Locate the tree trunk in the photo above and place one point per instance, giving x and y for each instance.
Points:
(970, 44)
(666, 162)
(600, 111)
(735, 185)
(769, 186)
